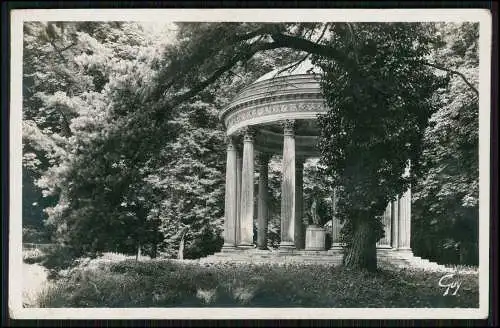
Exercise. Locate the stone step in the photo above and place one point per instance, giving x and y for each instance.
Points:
(331, 257)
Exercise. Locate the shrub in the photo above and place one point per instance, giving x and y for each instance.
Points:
(36, 235)
(33, 256)
(58, 258)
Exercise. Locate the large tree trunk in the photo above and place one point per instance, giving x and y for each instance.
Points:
(138, 256)
(180, 254)
(362, 252)
(155, 251)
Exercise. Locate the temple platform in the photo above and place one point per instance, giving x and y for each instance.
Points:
(333, 257)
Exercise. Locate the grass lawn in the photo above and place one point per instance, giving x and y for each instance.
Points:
(34, 282)
(174, 284)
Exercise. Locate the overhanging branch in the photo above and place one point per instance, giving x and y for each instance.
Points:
(243, 56)
(298, 43)
(464, 78)
(280, 41)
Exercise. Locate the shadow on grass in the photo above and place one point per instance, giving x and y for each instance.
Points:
(174, 284)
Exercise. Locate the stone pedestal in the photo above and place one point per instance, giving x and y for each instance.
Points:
(315, 238)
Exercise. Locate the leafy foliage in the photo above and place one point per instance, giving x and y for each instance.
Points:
(379, 108)
(446, 212)
(81, 98)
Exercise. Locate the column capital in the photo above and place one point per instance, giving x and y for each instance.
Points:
(288, 127)
(248, 133)
(230, 143)
(406, 173)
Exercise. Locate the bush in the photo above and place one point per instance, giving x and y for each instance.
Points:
(58, 258)
(177, 284)
(33, 256)
(35, 235)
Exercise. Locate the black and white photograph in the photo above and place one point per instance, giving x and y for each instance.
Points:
(249, 163)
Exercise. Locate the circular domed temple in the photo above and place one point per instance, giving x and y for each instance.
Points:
(281, 99)
(276, 115)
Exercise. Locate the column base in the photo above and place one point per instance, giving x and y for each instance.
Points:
(287, 246)
(336, 249)
(246, 246)
(228, 248)
(403, 250)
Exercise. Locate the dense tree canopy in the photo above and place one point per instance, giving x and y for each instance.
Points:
(446, 207)
(81, 111)
(379, 108)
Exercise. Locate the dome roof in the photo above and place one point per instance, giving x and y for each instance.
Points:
(287, 79)
(290, 92)
(305, 67)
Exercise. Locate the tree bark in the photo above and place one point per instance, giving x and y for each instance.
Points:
(155, 251)
(362, 251)
(180, 254)
(138, 256)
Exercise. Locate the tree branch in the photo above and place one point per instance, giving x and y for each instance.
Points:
(254, 48)
(323, 32)
(292, 66)
(247, 36)
(280, 41)
(297, 43)
(67, 47)
(57, 49)
(66, 124)
(464, 78)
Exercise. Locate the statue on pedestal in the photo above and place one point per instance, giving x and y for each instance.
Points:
(315, 233)
(314, 213)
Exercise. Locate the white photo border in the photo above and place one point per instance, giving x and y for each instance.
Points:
(18, 17)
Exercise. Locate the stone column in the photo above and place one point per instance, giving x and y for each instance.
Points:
(230, 211)
(239, 163)
(405, 216)
(336, 225)
(405, 221)
(395, 223)
(300, 234)
(288, 197)
(386, 222)
(262, 203)
(247, 190)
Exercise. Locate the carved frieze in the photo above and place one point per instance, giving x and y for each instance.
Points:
(251, 113)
